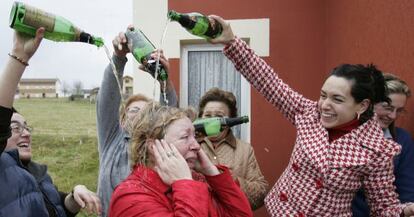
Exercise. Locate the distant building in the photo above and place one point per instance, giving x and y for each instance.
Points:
(128, 87)
(38, 88)
(93, 94)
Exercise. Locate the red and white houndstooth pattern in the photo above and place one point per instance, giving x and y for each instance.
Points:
(321, 178)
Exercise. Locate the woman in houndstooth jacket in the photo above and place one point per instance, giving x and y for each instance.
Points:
(339, 146)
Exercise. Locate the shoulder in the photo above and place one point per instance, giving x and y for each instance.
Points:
(402, 134)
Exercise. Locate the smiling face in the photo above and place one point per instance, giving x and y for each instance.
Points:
(181, 134)
(21, 137)
(388, 113)
(336, 104)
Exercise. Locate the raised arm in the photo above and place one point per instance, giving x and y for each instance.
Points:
(23, 49)
(109, 97)
(261, 75)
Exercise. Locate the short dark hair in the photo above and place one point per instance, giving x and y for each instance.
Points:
(367, 83)
(217, 94)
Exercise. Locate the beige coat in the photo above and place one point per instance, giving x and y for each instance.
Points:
(239, 157)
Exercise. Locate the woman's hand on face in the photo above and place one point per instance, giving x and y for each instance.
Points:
(205, 166)
(24, 46)
(87, 199)
(169, 163)
(226, 36)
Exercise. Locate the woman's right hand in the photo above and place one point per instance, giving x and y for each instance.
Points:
(120, 44)
(226, 36)
(24, 46)
(169, 163)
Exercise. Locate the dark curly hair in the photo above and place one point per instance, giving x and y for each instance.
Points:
(367, 83)
(217, 94)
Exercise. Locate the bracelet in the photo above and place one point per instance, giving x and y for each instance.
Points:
(18, 59)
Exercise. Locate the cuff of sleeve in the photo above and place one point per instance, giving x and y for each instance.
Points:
(119, 60)
(5, 118)
(224, 176)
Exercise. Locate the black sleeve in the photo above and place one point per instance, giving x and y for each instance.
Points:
(62, 199)
(5, 132)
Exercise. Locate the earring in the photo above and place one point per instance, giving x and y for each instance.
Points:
(358, 115)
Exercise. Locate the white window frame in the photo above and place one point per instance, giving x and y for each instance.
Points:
(245, 108)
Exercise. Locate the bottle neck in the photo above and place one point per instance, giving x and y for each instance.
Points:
(230, 122)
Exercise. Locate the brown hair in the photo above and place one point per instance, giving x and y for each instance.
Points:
(151, 124)
(217, 94)
(131, 99)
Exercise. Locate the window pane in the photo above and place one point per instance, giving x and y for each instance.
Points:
(207, 69)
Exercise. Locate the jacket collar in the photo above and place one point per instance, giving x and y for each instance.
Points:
(151, 178)
(39, 171)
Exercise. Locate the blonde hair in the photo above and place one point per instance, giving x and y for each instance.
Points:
(396, 86)
(131, 99)
(151, 124)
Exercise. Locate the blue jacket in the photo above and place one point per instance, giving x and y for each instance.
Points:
(20, 194)
(50, 193)
(403, 171)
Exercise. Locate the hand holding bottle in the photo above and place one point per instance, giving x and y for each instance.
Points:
(24, 46)
(226, 36)
(120, 43)
(163, 61)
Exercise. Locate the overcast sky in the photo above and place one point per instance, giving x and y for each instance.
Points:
(71, 61)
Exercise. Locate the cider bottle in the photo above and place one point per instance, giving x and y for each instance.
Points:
(197, 24)
(213, 126)
(141, 49)
(27, 19)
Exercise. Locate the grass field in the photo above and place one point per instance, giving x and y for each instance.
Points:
(64, 138)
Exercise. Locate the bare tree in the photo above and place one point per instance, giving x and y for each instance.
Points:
(77, 87)
(65, 88)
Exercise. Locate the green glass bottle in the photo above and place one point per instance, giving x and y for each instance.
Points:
(27, 19)
(141, 48)
(197, 24)
(213, 126)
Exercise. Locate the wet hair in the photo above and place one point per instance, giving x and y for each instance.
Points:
(367, 83)
(396, 86)
(219, 95)
(151, 124)
(131, 99)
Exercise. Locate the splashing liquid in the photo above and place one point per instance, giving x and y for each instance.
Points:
(157, 67)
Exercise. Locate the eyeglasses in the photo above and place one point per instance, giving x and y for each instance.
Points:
(391, 109)
(19, 128)
(133, 110)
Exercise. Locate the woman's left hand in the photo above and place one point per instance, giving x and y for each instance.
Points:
(206, 167)
(409, 210)
(87, 199)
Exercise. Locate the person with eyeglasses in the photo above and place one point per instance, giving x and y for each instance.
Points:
(114, 123)
(19, 195)
(387, 114)
(26, 187)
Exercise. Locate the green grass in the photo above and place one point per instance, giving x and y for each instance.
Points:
(64, 138)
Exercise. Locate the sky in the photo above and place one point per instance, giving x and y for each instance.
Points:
(72, 61)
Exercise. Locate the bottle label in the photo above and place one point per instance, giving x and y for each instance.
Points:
(37, 18)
